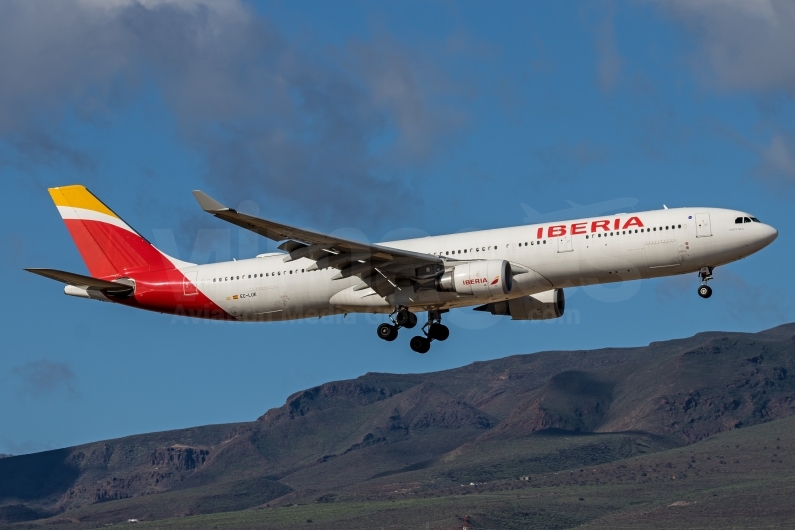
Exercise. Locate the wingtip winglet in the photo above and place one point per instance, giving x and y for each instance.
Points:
(207, 203)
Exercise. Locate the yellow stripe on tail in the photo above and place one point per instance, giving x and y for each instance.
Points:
(78, 196)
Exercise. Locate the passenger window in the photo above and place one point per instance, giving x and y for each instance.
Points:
(679, 226)
(586, 237)
(465, 251)
(213, 280)
(545, 241)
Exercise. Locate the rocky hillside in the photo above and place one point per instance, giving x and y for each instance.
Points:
(487, 421)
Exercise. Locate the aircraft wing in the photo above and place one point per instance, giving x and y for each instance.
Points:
(379, 267)
(84, 282)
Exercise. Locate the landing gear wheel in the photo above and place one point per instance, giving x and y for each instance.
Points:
(420, 344)
(438, 332)
(705, 291)
(406, 319)
(388, 332)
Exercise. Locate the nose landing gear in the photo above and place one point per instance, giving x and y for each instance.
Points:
(705, 291)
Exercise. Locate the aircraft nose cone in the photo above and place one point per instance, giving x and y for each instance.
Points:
(769, 234)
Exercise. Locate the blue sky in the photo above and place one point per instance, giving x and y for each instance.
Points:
(377, 121)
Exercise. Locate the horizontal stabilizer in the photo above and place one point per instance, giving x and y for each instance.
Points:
(85, 282)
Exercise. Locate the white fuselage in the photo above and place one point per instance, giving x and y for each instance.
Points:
(550, 255)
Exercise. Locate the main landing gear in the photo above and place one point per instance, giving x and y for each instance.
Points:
(705, 291)
(403, 318)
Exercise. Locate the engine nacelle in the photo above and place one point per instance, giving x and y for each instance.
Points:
(482, 279)
(541, 306)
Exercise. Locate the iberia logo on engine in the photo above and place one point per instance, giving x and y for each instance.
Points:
(475, 281)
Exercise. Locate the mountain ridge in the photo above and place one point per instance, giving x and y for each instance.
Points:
(489, 420)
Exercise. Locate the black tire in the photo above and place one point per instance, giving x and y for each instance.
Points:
(412, 321)
(403, 318)
(705, 291)
(438, 332)
(388, 332)
(420, 344)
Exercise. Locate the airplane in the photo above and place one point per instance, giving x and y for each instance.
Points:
(519, 271)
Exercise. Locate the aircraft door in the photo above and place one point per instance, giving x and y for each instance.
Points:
(189, 283)
(564, 243)
(703, 227)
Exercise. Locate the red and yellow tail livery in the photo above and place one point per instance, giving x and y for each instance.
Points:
(108, 245)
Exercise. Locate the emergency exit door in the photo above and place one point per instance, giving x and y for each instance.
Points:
(703, 228)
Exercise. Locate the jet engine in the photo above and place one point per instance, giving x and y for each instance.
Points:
(541, 306)
(482, 279)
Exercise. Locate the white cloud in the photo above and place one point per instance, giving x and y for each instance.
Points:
(42, 377)
(744, 44)
(777, 160)
(299, 121)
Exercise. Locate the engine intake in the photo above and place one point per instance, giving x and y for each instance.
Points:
(541, 306)
(482, 279)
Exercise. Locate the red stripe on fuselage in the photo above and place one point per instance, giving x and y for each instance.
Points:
(111, 252)
(163, 291)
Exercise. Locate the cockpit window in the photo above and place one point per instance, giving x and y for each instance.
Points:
(754, 219)
(746, 219)
(738, 221)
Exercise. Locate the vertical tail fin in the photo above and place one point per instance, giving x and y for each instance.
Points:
(108, 245)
